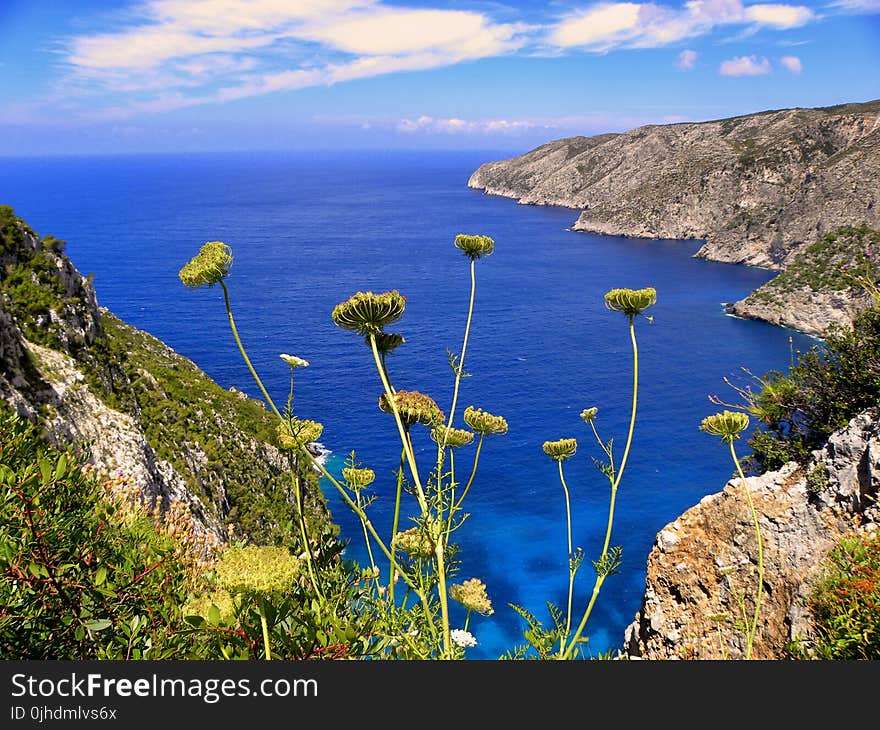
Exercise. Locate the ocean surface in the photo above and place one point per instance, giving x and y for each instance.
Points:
(309, 230)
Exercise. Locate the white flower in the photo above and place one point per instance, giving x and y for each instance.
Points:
(294, 361)
(462, 638)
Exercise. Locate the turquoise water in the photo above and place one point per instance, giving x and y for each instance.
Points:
(307, 231)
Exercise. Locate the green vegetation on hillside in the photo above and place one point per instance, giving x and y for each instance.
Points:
(819, 267)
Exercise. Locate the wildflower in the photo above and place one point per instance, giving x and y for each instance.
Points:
(260, 569)
(219, 600)
(294, 432)
(414, 542)
(462, 638)
(484, 422)
(472, 595)
(451, 437)
(560, 450)
(589, 414)
(727, 424)
(367, 313)
(387, 342)
(631, 302)
(359, 478)
(413, 407)
(475, 246)
(208, 266)
(294, 361)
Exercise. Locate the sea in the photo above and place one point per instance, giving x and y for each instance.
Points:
(309, 229)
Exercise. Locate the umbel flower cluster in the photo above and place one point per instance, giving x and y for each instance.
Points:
(258, 569)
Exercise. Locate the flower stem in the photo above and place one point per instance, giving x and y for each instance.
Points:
(750, 637)
(570, 567)
(392, 567)
(244, 354)
(307, 548)
(265, 627)
(632, 420)
(460, 367)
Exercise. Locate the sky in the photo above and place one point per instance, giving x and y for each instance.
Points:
(144, 76)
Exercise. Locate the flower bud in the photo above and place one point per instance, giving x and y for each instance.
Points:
(475, 246)
(413, 407)
(367, 313)
(560, 450)
(727, 424)
(484, 422)
(631, 301)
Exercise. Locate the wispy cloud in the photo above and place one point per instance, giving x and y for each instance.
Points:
(198, 52)
(745, 66)
(604, 26)
(792, 63)
(687, 59)
(454, 125)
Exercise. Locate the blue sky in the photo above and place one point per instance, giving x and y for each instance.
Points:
(96, 76)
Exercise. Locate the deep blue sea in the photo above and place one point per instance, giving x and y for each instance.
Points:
(309, 230)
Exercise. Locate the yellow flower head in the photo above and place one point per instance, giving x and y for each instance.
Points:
(293, 433)
(258, 569)
(589, 414)
(560, 450)
(727, 424)
(223, 613)
(472, 595)
(414, 542)
(483, 422)
(359, 478)
(475, 246)
(208, 266)
(631, 301)
(367, 313)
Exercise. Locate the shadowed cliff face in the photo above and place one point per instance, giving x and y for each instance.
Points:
(132, 403)
(756, 188)
(705, 559)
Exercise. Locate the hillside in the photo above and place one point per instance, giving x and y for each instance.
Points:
(755, 188)
(130, 401)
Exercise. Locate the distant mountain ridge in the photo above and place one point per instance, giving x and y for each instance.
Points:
(755, 187)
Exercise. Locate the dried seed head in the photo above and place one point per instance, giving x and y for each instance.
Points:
(367, 313)
(483, 422)
(415, 543)
(208, 266)
(560, 450)
(359, 478)
(451, 437)
(472, 595)
(413, 407)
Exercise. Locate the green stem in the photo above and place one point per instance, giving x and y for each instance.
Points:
(750, 638)
(244, 353)
(444, 603)
(307, 547)
(460, 367)
(392, 564)
(473, 472)
(367, 542)
(265, 627)
(570, 569)
(410, 456)
(632, 420)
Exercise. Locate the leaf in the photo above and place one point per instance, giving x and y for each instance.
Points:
(61, 467)
(98, 624)
(100, 575)
(214, 615)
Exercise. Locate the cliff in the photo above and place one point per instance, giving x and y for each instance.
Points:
(756, 188)
(701, 562)
(131, 402)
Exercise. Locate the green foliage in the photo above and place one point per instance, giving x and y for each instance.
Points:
(79, 579)
(823, 390)
(845, 604)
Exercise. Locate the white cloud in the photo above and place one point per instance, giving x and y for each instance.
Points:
(454, 125)
(745, 66)
(232, 49)
(858, 6)
(687, 59)
(792, 63)
(605, 26)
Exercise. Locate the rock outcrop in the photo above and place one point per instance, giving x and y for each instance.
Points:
(704, 562)
(129, 401)
(755, 188)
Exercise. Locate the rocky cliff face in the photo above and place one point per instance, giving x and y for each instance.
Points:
(131, 402)
(756, 188)
(703, 561)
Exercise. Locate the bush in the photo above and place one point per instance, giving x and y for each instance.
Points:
(82, 575)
